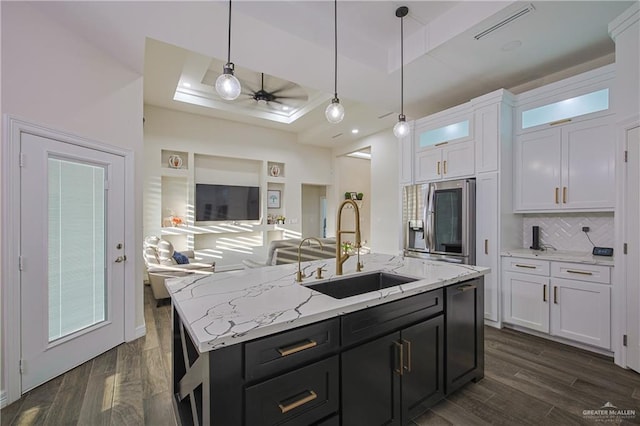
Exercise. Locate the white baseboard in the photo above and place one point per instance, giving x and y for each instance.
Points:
(141, 331)
(3, 399)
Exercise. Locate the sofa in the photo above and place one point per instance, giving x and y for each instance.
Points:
(161, 261)
(281, 252)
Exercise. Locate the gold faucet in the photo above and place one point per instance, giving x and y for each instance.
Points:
(341, 258)
(299, 273)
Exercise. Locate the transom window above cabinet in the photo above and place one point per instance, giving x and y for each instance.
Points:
(442, 134)
(562, 111)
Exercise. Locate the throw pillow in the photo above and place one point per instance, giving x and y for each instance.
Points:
(180, 258)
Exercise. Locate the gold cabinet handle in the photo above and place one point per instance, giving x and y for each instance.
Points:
(441, 143)
(555, 294)
(438, 168)
(571, 271)
(564, 195)
(557, 189)
(467, 287)
(408, 366)
(295, 404)
(555, 123)
(544, 293)
(400, 347)
(444, 166)
(525, 266)
(288, 350)
(486, 246)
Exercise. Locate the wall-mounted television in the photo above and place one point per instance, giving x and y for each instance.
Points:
(227, 202)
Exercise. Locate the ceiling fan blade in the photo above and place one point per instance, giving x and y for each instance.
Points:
(299, 97)
(284, 88)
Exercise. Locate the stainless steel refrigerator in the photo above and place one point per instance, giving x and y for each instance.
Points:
(439, 221)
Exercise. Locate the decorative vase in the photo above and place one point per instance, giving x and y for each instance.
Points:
(274, 171)
(175, 161)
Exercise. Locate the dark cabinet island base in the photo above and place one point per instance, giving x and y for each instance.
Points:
(381, 365)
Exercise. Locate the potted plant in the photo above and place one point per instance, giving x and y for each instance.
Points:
(347, 195)
(359, 196)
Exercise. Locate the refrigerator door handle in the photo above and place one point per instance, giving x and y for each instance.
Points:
(428, 218)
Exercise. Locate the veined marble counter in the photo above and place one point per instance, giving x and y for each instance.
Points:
(560, 256)
(226, 308)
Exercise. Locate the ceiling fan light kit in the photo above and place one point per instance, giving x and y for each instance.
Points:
(401, 129)
(227, 85)
(335, 111)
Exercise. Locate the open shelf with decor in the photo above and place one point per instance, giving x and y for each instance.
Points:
(174, 160)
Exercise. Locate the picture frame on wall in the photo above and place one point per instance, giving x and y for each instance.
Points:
(354, 195)
(273, 199)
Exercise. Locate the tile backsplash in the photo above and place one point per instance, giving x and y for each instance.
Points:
(564, 231)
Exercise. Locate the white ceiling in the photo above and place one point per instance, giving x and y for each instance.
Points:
(293, 41)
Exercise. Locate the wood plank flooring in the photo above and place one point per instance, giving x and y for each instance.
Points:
(528, 381)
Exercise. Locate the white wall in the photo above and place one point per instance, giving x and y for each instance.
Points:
(172, 130)
(354, 175)
(385, 189)
(311, 210)
(53, 78)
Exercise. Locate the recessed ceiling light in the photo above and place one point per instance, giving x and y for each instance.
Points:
(354, 131)
(512, 45)
(285, 108)
(185, 84)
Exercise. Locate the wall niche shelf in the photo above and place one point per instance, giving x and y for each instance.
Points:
(182, 156)
(275, 170)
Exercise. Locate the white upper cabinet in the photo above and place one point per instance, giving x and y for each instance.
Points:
(571, 167)
(487, 123)
(444, 148)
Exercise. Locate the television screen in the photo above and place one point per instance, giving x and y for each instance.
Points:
(227, 202)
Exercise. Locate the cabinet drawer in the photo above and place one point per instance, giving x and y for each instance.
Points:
(382, 319)
(302, 397)
(582, 272)
(273, 354)
(526, 266)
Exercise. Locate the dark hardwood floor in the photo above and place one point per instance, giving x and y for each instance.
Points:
(528, 381)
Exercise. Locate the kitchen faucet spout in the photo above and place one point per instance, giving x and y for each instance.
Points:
(340, 257)
(299, 273)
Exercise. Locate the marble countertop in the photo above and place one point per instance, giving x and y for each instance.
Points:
(561, 256)
(226, 308)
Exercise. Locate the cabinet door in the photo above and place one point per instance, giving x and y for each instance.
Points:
(526, 300)
(487, 239)
(370, 384)
(588, 165)
(537, 168)
(581, 311)
(423, 376)
(487, 134)
(464, 352)
(458, 160)
(429, 165)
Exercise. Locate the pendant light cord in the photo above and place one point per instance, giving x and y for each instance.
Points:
(402, 66)
(229, 38)
(335, 48)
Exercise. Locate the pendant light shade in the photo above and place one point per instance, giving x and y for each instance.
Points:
(335, 111)
(401, 129)
(227, 85)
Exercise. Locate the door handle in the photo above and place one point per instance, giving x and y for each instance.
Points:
(555, 294)
(438, 168)
(486, 246)
(557, 189)
(289, 350)
(286, 408)
(564, 194)
(408, 366)
(444, 166)
(544, 293)
(121, 259)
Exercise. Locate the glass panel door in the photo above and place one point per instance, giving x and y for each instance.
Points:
(76, 246)
(447, 207)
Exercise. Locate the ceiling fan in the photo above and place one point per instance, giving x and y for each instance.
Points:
(278, 96)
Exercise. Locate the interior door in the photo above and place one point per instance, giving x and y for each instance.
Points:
(633, 248)
(72, 256)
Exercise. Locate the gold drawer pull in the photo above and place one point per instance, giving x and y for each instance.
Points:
(557, 189)
(467, 287)
(564, 194)
(571, 271)
(441, 143)
(544, 293)
(408, 366)
(288, 350)
(286, 408)
(400, 347)
(555, 123)
(486, 246)
(444, 166)
(525, 266)
(438, 168)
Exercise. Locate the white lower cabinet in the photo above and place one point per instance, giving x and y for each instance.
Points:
(537, 296)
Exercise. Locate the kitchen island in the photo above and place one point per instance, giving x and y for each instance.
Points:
(257, 347)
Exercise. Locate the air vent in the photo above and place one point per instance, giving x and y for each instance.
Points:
(336, 136)
(520, 13)
(385, 115)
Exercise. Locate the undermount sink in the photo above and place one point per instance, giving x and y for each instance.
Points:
(359, 284)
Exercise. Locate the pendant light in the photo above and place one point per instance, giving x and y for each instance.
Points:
(227, 85)
(401, 129)
(335, 111)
